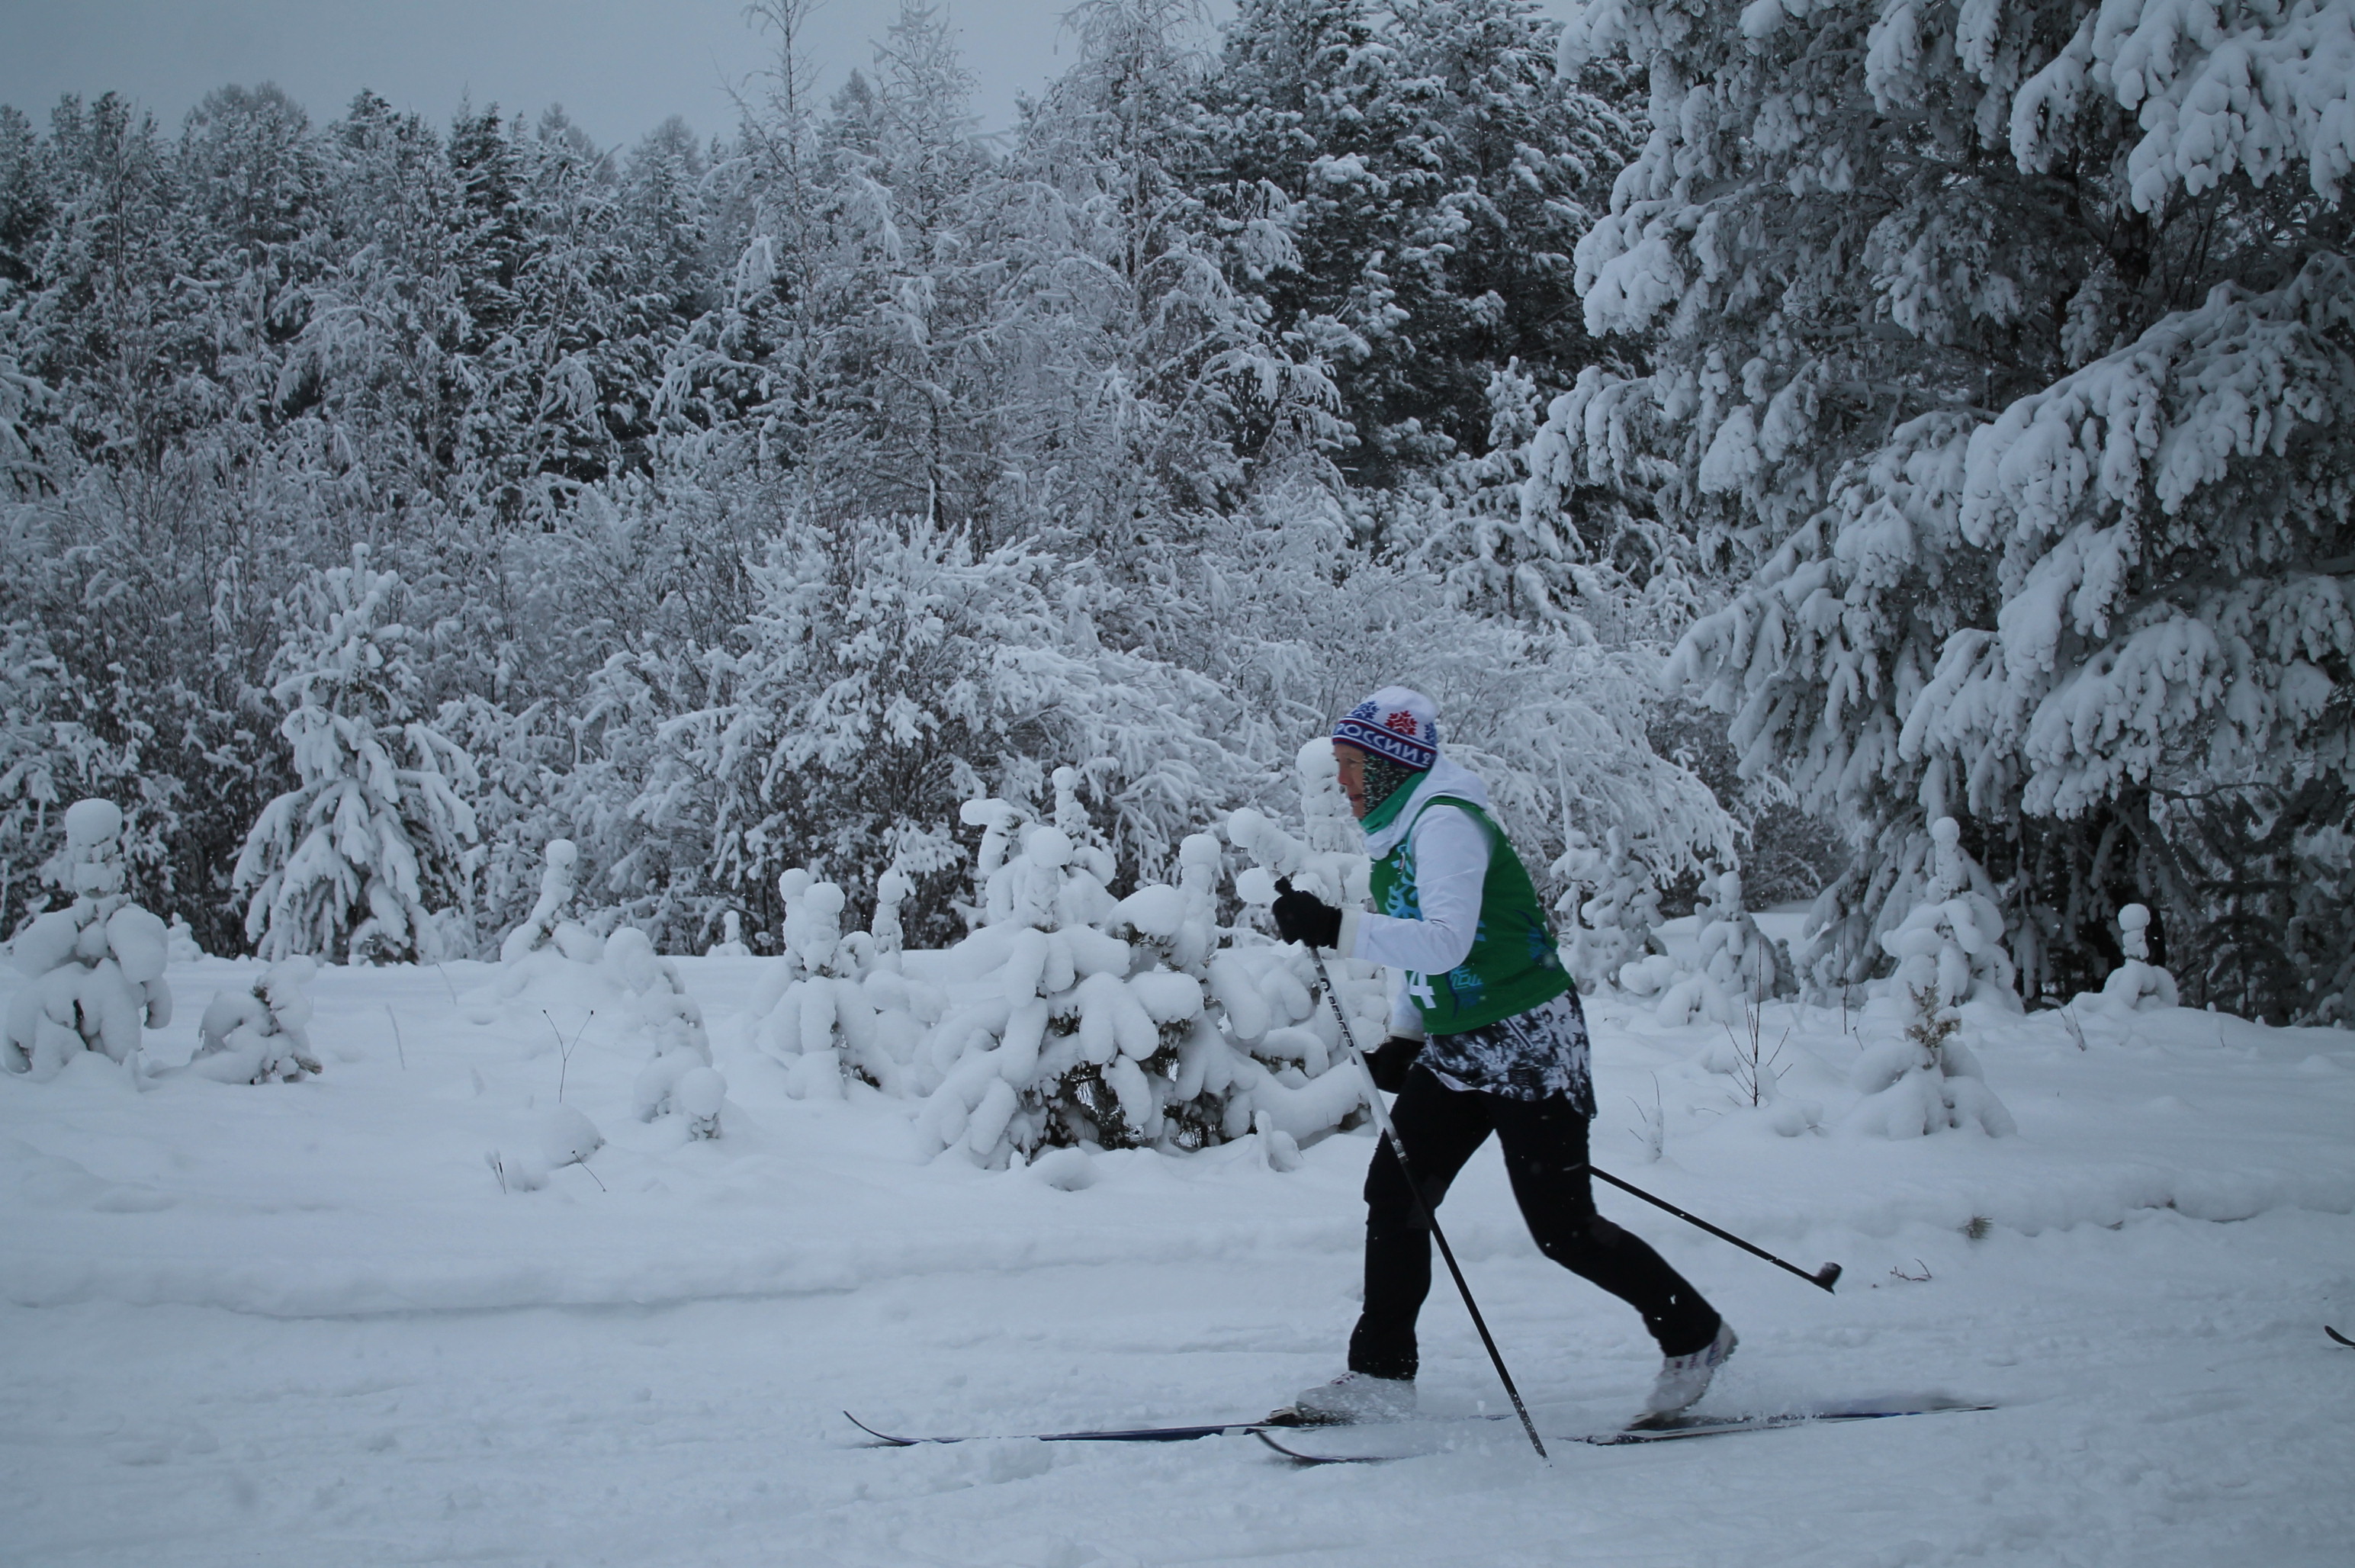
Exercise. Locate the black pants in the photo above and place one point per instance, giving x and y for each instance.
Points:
(1545, 1147)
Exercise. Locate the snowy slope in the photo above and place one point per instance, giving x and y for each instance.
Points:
(301, 1323)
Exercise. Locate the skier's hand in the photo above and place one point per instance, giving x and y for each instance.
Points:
(1390, 1062)
(1305, 917)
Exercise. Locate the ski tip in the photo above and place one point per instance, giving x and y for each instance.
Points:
(1826, 1276)
(884, 1438)
(2342, 1338)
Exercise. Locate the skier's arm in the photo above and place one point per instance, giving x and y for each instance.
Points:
(1451, 861)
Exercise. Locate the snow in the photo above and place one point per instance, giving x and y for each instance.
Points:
(305, 1324)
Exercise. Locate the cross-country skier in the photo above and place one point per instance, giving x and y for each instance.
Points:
(1486, 1035)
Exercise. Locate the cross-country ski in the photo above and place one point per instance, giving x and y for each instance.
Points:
(1109, 1434)
(1415, 1435)
(1385, 1443)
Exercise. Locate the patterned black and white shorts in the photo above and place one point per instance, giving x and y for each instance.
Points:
(1537, 1055)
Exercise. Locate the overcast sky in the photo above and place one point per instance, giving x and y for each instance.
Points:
(619, 67)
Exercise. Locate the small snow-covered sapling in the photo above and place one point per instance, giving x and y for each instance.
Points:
(732, 943)
(892, 889)
(261, 1035)
(1951, 941)
(181, 938)
(561, 858)
(96, 966)
(2137, 982)
(1932, 1026)
(1926, 1082)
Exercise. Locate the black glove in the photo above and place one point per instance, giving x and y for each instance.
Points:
(1390, 1062)
(1305, 917)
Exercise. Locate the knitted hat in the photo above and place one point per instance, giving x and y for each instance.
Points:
(1396, 723)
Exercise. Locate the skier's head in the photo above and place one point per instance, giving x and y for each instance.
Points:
(1385, 744)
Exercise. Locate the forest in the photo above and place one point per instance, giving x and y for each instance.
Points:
(1766, 431)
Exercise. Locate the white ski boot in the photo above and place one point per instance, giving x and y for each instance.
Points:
(1684, 1379)
(1352, 1397)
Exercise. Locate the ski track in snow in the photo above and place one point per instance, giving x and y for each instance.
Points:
(301, 1324)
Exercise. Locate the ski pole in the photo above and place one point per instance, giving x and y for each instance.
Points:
(1824, 1276)
(1398, 1152)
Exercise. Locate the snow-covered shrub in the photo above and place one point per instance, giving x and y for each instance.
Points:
(891, 890)
(562, 1136)
(698, 1097)
(2137, 982)
(362, 856)
(1056, 1030)
(1067, 1018)
(95, 968)
(567, 1137)
(261, 1034)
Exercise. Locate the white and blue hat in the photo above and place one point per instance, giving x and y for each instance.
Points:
(1394, 722)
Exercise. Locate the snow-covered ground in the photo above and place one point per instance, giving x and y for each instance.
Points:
(302, 1324)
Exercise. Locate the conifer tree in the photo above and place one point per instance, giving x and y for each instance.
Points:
(2007, 353)
(362, 857)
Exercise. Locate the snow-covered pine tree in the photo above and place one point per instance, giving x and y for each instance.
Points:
(1429, 178)
(1948, 952)
(1949, 941)
(1610, 910)
(362, 857)
(49, 755)
(2034, 496)
(1740, 964)
(1155, 388)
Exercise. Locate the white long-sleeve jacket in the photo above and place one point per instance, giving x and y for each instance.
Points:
(1451, 867)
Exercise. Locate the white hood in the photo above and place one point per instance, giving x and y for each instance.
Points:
(1446, 776)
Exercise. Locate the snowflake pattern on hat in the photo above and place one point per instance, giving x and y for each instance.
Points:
(1394, 722)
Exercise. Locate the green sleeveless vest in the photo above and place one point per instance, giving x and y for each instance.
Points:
(1512, 967)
